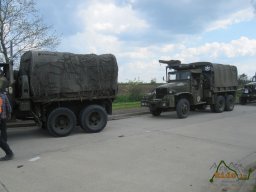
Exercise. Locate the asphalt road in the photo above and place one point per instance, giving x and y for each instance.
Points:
(135, 154)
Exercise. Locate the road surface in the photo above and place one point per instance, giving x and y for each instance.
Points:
(135, 154)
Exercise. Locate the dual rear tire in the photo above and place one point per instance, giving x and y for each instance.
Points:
(93, 119)
(62, 121)
(223, 104)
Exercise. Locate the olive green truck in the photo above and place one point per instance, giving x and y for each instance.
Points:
(194, 86)
(62, 90)
(248, 93)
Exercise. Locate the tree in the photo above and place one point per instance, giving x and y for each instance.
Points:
(21, 25)
(153, 81)
(242, 79)
(135, 90)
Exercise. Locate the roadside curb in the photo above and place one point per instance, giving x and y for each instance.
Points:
(125, 115)
(122, 115)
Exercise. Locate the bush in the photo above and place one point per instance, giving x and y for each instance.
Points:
(122, 99)
(135, 92)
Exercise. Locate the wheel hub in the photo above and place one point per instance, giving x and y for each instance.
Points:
(94, 119)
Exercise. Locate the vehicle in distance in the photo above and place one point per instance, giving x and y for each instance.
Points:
(248, 93)
(194, 86)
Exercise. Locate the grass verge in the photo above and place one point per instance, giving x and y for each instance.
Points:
(126, 105)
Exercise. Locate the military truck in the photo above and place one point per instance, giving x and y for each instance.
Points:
(248, 93)
(194, 86)
(61, 90)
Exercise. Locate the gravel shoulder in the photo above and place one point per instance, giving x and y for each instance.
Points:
(131, 111)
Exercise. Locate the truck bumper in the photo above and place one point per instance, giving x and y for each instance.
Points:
(144, 103)
(165, 103)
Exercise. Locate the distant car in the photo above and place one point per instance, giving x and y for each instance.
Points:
(248, 93)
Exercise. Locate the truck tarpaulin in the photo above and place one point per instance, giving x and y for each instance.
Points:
(58, 75)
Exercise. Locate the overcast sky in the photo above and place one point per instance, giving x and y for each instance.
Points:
(140, 32)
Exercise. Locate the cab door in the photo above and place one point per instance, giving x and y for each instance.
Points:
(197, 87)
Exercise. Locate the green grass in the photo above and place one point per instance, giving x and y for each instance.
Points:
(126, 105)
(122, 99)
(128, 98)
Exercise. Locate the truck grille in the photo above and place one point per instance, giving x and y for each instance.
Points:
(161, 92)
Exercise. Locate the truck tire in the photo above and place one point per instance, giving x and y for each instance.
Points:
(61, 122)
(155, 112)
(230, 103)
(93, 119)
(219, 105)
(183, 108)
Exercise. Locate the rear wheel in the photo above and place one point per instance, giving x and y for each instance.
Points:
(230, 103)
(183, 108)
(219, 104)
(61, 122)
(93, 119)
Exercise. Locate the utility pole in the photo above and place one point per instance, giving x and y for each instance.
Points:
(11, 65)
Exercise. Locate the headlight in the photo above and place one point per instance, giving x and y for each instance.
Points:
(171, 92)
(164, 104)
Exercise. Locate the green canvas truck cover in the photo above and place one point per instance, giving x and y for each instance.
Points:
(225, 75)
(61, 75)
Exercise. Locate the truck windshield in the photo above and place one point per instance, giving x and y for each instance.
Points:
(179, 75)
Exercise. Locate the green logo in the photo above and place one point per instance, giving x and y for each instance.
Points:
(231, 171)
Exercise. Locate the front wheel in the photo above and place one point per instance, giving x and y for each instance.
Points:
(61, 122)
(183, 108)
(93, 119)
